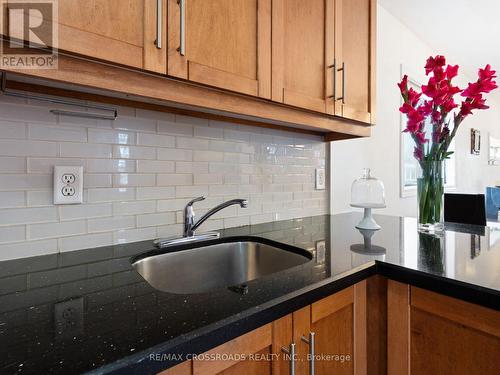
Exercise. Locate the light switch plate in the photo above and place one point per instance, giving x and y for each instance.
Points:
(320, 179)
(68, 185)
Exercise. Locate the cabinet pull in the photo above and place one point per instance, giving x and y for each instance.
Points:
(291, 354)
(310, 341)
(159, 21)
(343, 84)
(182, 47)
(334, 66)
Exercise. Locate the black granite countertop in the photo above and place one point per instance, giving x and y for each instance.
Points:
(90, 311)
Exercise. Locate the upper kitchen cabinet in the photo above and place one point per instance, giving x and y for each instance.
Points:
(303, 53)
(355, 30)
(127, 32)
(221, 43)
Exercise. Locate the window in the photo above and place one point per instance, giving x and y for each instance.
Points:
(409, 166)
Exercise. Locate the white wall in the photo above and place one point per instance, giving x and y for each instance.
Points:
(398, 46)
(139, 172)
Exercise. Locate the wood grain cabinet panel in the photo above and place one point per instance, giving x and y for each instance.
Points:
(227, 44)
(118, 31)
(429, 333)
(355, 30)
(339, 322)
(302, 40)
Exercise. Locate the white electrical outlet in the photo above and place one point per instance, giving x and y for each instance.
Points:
(320, 178)
(68, 185)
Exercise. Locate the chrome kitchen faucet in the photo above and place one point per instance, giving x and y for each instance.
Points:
(191, 225)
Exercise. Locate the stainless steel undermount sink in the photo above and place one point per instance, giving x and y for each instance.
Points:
(216, 265)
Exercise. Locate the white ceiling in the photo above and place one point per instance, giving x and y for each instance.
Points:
(466, 31)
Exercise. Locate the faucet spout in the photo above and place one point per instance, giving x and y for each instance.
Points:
(190, 226)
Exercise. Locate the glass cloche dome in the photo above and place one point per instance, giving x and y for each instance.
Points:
(367, 191)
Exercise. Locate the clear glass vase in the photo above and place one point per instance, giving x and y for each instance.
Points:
(430, 196)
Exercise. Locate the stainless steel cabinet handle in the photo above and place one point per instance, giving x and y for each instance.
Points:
(159, 19)
(310, 341)
(343, 84)
(182, 47)
(334, 67)
(291, 353)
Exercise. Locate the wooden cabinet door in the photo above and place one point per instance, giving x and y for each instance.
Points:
(355, 59)
(429, 333)
(119, 31)
(303, 52)
(227, 44)
(339, 323)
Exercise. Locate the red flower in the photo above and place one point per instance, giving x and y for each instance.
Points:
(426, 108)
(403, 85)
(486, 73)
(405, 108)
(451, 71)
(413, 97)
(449, 105)
(420, 136)
(433, 63)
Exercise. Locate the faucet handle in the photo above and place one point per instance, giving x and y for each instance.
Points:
(202, 198)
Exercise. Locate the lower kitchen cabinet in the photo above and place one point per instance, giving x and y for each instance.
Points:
(432, 333)
(329, 336)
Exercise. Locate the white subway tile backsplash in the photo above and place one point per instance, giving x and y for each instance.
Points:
(12, 233)
(134, 152)
(94, 180)
(46, 165)
(110, 224)
(9, 199)
(25, 181)
(155, 140)
(208, 179)
(155, 166)
(133, 208)
(145, 193)
(85, 211)
(40, 198)
(134, 123)
(85, 150)
(12, 129)
(61, 133)
(83, 122)
(174, 128)
(9, 164)
(139, 173)
(110, 165)
(61, 229)
(208, 132)
(112, 136)
(190, 191)
(86, 241)
(134, 179)
(111, 195)
(191, 167)
(28, 215)
(154, 220)
(132, 235)
(205, 156)
(25, 112)
(175, 154)
(192, 143)
(174, 179)
(27, 148)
